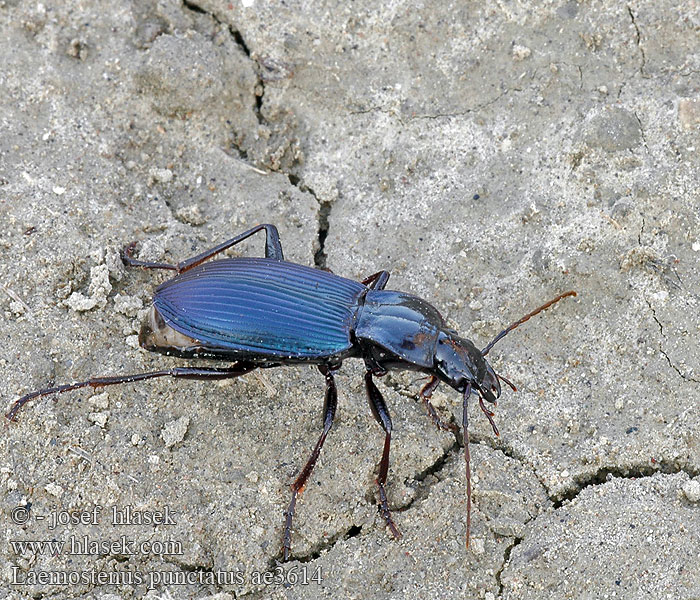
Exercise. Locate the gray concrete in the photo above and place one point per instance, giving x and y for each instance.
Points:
(491, 156)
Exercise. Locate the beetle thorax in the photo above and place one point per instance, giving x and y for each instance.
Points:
(398, 330)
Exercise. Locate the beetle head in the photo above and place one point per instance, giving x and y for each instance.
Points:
(459, 362)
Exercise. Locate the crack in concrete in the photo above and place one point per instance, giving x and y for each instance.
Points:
(463, 113)
(320, 256)
(240, 42)
(580, 483)
(497, 444)
(506, 557)
(324, 546)
(638, 41)
(394, 113)
(676, 369)
(600, 477)
(423, 484)
(604, 474)
(680, 373)
(653, 314)
(324, 214)
(371, 109)
(641, 130)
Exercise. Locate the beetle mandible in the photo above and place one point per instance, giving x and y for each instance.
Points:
(267, 312)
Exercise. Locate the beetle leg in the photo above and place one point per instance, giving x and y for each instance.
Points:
(127, 256)
(273, 249)
(238, 369)
(465, 433)
(425, 395)
(330, 404)
(381, 414)
(377, 281)
(489, 415)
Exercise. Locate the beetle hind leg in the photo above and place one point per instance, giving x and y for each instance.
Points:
(273, 250)
(238, 369)
(273, 247)
(381, 414)
(329, 407)
(127, 256)
(377, 281)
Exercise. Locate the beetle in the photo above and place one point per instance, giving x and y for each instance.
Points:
(268, 312)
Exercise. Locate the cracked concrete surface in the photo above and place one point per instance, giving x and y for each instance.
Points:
(489, 155)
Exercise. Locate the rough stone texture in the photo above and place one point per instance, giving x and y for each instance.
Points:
(647, 548)
(490, 155)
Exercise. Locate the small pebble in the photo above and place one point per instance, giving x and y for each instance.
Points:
(691, 489)
(174, 432)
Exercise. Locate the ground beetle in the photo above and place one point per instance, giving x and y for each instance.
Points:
(267, 312)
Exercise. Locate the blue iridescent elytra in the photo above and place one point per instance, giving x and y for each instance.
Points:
(260, 306)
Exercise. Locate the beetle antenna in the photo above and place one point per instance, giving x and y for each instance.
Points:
(465, 437)
(519, 322)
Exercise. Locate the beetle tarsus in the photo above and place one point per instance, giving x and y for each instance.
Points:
(386, 513)
(287, 536)
(127, 256)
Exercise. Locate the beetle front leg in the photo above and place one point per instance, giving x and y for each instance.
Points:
(381, 414)
(329, 407)
(425, 394)
(489, 415)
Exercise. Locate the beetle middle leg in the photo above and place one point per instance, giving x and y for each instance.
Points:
(238, 369)
(273, 250)
(329, 407)
(381, 414)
